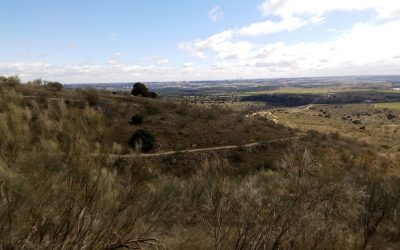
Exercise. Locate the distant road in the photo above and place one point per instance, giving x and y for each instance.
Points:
(202, 149)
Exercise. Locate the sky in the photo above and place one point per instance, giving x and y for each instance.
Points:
(89, 41)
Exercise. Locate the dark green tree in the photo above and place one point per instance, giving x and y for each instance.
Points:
(143, 140)
(139, 89)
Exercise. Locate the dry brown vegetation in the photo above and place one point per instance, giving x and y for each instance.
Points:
(60, 190)
(367, 123)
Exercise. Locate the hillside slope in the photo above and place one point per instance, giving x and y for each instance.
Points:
(61, 189)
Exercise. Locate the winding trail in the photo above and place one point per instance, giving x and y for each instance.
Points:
(254, 144)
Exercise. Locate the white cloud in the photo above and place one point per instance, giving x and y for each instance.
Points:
(269, 27)
(295, 14)
(367, 48)
(89, 73)
(221, 43)
(370, 45)
(215, 14)
(289, 8)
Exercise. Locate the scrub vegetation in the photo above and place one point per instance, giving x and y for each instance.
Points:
(73, 175)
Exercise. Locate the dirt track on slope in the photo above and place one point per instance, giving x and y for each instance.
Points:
(201, 149)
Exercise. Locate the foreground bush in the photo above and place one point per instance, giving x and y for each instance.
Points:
(143, 140)
(57, 191)
(11, 81)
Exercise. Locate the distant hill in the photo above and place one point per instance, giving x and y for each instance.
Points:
(236, 86)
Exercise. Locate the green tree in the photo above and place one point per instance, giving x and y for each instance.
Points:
(139, 89)
(143, 140)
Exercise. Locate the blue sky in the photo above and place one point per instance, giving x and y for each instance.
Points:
(157, 40)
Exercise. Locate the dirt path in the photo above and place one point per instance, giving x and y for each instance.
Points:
(300, 108)
(201, 149)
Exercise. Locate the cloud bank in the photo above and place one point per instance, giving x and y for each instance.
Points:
(367, 48)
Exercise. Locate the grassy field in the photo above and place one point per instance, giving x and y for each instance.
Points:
(320, 90)
(291, 90)
(386, 91)
(394, 105)
(317, 90)
(376, 125)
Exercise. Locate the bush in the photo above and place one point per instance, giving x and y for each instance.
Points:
(137, 119)
(390, 116)
(143, 140)
(139, 89)
(92, 97)
(36, 82)
(11, 81)
(153, 95)
(3, 79)
(54, 86)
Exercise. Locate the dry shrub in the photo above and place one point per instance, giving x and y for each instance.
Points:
(297, 205)
(60, 189)
(59, 192)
